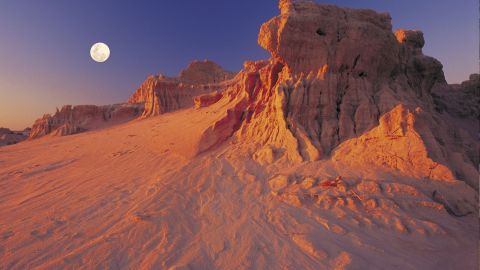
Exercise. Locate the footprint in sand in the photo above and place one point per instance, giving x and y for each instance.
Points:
(39, 235)
(7, 234)
(58, 222)
(54, 224)
(16, 173)
(77, 235)
(139, 216)
(48, 167)
(124, 196)
(121, 153)
(34, 166)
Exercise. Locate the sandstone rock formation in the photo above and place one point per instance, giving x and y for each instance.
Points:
(204, 72)
(472, 85)
(332, 154)
(336, 74)
(75, 119)
(460, 100)
(8, 137)
(344, 68)
(157, 94)
(162, 94)
(340, 83)
(394, 143)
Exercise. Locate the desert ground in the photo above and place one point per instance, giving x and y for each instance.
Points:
(130, 196)
(333, 154)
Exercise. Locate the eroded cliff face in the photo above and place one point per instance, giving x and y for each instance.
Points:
(335, 73)
(340, 84)
(204, 72)
(157, 94)
(460, 100)
(162, 94)
(9, 137)
(74, 119)
(345, 68)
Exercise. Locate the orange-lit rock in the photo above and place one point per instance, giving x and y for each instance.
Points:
(9, 137)
(394, 144)
(162, 94)
(204, 72)
(461, 101)
(334, 74)
(75, 119)
(345, 163)
(344, 68)
(207, 99)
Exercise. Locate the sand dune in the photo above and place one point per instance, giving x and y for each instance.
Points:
(130, 197)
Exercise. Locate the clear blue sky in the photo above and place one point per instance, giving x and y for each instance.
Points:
(44, 45)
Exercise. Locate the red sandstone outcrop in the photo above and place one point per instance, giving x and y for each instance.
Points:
(5, 131)
(472, 85)
(204, 72)
(338, 74)
(75, 119)
(460, 100)
(339, 84)
(344, 68)
(459, 105)
(207, 99)
(8, 137)
(162, 94)
(394, 143)
(157, 95)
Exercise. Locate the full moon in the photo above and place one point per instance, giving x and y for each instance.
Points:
(100, 52)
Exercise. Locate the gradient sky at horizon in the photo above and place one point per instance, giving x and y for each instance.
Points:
(44, 45)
